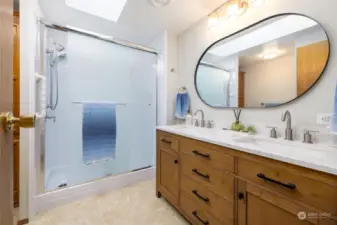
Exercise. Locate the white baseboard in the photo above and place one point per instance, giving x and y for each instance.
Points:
(60, 197)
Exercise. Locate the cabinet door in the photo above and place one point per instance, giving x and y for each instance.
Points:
(258, 206)
(169, 176)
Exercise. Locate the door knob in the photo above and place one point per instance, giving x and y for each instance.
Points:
(8, 121)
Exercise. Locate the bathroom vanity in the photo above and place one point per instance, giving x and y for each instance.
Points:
(212, 179)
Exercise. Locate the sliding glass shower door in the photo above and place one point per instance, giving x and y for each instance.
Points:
(106, 114)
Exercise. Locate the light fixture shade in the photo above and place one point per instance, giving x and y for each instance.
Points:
(257, 3)
(236, 8)
(213, 19)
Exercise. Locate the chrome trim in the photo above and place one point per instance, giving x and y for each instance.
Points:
(101, 37)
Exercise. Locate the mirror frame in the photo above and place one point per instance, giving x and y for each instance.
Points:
(246, 28)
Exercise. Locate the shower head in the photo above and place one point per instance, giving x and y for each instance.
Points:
(58, 47)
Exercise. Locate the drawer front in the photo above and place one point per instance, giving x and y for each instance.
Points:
(219, 182)
(208, 156)
(196, 213)
(221, 209)
(295, 186)
(168, 142)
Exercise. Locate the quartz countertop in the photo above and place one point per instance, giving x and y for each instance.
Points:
(313, 156)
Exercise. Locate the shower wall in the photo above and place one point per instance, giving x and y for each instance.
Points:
(99, 71)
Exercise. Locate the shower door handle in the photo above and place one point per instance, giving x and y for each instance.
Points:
(8, 121)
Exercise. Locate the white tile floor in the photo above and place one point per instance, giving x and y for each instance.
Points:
(134, 205)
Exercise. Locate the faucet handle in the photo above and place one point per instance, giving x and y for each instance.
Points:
(307, 137)
(196, 122)
(273, 133)
(210, 124)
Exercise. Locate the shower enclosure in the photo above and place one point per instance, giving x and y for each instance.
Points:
(82, 71)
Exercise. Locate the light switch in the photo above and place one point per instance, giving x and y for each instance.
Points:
(324, 118)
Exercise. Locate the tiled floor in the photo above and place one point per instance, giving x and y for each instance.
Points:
(134, 205)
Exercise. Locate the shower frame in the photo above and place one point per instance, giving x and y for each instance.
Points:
(47, 200)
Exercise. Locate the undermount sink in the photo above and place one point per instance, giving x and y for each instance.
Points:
(244, 138)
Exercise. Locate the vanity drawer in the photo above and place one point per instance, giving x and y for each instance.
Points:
(207, 155)
(292, 183)
(195, 213)
(219, 182)
(222, 209)
(168, 142)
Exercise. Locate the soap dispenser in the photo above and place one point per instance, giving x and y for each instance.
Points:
(189, 120)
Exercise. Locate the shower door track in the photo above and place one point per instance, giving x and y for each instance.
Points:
(100, 37)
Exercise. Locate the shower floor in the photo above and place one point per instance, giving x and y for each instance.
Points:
(133, 205)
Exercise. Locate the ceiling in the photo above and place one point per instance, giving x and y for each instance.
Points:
(140, 21)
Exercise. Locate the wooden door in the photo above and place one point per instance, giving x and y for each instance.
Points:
(16, 107)
(169, 175)
(6, 105)
(311, 60)
(258, 206)
(241, 97)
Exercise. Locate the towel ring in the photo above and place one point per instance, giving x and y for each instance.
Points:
(182, 89)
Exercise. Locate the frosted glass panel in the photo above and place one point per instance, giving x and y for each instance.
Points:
(213, 86)
(98, 71)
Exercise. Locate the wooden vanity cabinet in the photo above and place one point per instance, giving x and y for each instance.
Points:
(213, 185)
(168, 171)
(258, 206)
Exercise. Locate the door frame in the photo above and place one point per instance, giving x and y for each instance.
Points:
(30, 13)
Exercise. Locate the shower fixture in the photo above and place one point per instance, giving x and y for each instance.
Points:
(55, 54)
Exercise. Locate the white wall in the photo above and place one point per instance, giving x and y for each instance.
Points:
(29, 12)
(197, 38)
(270, 81)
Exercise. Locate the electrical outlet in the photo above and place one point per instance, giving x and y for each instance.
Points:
(324, 118)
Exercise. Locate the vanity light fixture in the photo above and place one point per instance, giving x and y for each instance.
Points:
(213, 20)
(257, 3)
(231, 9)
(236, 8)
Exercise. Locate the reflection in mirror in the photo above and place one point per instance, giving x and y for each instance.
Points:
(266, 65)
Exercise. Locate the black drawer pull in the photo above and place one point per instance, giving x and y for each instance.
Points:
(166, 141)
(289, 186)
(207, 156)
(195, 214)
(195, 192)
(200, 174)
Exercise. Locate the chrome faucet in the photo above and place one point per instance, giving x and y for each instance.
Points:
(288, 132)
(202, 122)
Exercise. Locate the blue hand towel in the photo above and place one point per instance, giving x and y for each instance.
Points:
(99, 132)
(182, 105)
(334, 117)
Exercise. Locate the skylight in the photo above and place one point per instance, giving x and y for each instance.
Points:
(107, 9)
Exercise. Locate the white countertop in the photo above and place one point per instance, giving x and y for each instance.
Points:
(314, 156)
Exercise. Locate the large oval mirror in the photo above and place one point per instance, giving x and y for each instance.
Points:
(268, 64)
